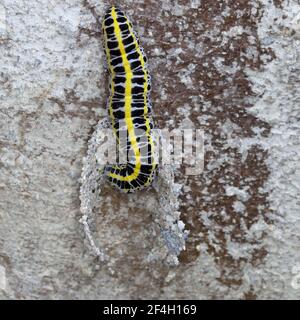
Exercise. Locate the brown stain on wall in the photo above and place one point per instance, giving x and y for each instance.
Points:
(199, 32)
(212, 85)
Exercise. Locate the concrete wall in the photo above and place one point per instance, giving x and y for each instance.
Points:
(229, 67)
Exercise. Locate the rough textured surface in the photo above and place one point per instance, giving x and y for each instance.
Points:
(169, 233)
(229, 67)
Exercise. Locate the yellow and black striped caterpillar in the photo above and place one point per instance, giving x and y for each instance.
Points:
(129, 103)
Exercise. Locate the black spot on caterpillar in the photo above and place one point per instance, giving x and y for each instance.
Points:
(129, 103)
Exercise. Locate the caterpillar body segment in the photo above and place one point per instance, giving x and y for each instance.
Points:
(129, 103)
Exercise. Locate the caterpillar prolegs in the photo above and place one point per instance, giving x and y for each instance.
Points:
(129, 103)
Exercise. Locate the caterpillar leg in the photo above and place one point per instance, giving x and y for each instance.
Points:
(124, 178)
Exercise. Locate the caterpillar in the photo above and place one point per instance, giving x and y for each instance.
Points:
(129, 104)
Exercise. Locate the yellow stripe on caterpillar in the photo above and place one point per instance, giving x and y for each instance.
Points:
(127, 65)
